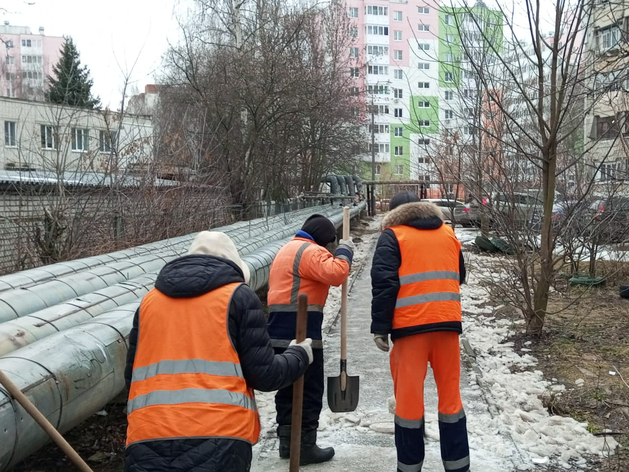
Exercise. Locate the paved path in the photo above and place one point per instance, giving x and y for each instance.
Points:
(364, 440)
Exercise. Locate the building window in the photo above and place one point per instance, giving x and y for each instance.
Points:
(399, 170)
(378, 30)
(468, 130)
(383, 109)
(449, 114)
(449, 95)
(607, 127)
(399, 150)
(449, 77)
(449, 20)
(397, 93)
(399, 132)
(353, 52)
(423, 104)
(378, 50)
(469, 93)
(423, 46)
(107, 140)
(10, 60)
(449, 58)
(423, 66)
(354, 72)
(397, 36)
(397, 16)
(378, 70)
(353, 31)
(423, 142)
(353, 12)
(397, 112)
(397, 55)
(355, 91)
(449, 38)
(424, 123)
(378, 89)
(608, 37)
(48, 137)
(610, 171)
(379, 129)
(426, 178)
(423, 85)
(378, 11)
(423, 27)
(398, 74)
(378, 169)
(27, 43)
(10, 136)
(423, 10)
(380, 148)
(80, 139)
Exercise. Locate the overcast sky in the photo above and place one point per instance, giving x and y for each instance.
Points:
(110, 35)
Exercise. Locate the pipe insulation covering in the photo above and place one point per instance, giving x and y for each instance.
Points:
(31, 277)
(71, 374)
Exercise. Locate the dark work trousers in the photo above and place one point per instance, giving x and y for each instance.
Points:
(313, 395)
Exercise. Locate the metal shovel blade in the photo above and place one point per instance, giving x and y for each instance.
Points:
(343, 401)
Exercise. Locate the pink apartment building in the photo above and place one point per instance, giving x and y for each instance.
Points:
(26, 59)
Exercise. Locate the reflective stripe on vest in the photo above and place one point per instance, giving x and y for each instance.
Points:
(187, 380)
(429, 277)
(286, 283)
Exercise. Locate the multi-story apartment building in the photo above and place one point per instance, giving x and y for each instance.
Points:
(411, 64)
(26, 59)
(607, 105)
(50, 137)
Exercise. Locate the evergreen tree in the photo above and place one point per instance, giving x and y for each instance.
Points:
(71, 84)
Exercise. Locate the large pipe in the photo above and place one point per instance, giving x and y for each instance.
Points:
(342, 186)
(334, 184)
(359, 184)
(349, 183)
(19, 328)
(27, 300)
(31, 277)
(74, 373)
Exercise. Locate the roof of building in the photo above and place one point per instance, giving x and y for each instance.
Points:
(76, 179)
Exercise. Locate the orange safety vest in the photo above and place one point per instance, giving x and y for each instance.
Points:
(187, 379)
(285, 285)
(429, 277)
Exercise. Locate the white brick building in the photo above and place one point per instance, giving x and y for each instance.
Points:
(43, 136)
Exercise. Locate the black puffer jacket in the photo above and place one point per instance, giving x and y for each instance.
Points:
(387, 260)
(192, 276)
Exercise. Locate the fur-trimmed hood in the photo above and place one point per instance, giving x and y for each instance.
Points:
(422, 215)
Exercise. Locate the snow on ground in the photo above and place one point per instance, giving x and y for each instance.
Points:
(516, 389)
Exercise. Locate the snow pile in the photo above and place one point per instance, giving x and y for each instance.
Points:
(516, 391)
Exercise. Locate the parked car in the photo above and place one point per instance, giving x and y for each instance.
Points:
(449, 208)
(517, 208)
(610, 219)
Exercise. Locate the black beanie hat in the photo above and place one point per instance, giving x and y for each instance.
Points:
(321, 229)
(402, 198)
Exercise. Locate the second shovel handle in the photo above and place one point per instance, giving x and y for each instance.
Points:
(346, 224)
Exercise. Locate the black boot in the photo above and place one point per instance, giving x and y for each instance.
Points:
(283, 432)
(310, 452)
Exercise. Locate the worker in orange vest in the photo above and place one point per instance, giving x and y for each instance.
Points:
(417, 269)
(197, 350)
(304, 265)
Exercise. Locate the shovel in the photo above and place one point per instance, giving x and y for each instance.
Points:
(343, 390)
(298, 390)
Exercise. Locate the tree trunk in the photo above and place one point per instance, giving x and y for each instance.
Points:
(536, 321)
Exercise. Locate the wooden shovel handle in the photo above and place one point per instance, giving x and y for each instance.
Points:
(346, 224)
(298, 390)
(41, 420)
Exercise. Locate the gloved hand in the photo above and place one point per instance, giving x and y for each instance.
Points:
(382, 341)
(348, 243)
(306, 345)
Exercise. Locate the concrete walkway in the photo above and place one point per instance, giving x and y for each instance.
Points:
(363, 440)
